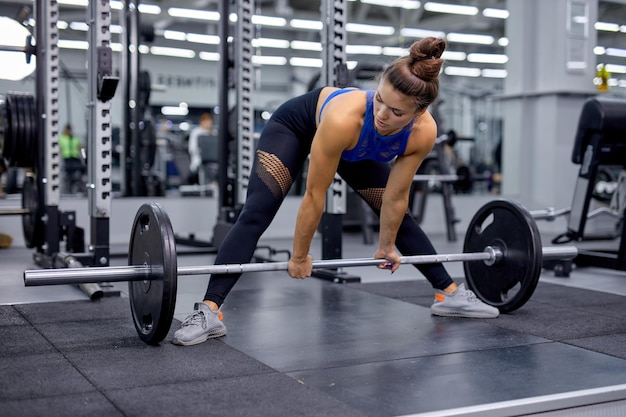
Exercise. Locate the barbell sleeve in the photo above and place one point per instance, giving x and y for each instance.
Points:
(40, 277)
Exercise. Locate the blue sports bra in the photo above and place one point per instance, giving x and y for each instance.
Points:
(371, 144)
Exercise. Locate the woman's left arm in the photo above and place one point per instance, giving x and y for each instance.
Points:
(396, 196)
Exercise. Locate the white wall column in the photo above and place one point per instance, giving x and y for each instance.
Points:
(550, 74)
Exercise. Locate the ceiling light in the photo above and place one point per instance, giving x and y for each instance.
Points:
(370, 29)
(503, 41)
(270, 43)
(405, 4)
(306, 46)
(174, 110)
(454, 55)
(395, 51)
(615, 69)
(269, 60)
(193, 14)
(175, 35)
(149, 8)
(364, 49)
(462, 71)
(470, 38)
(62, 25)
(209, 56)
(268, 21)
(81, 26)
(421, 33)
(450, 8)
(616, 52)
(83, 3)
(69, 44)
(116, 5)
(496, 13)
(306, 24)
(599, 50)
(494, 73)
(205, 39)
(306, 62)
(487, 58)
(607, 27)
(175, 52)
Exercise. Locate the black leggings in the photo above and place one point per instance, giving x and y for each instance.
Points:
(280, 156)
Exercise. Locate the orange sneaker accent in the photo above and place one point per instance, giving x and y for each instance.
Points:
(440, 297)
(220, 315)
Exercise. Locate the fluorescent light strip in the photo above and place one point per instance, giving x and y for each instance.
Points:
(174, 52)
(364, 49)
(607, 27)
(149, 9)
(270, 43)
(209, 56)
(470, 38)
(79, 26)
(494, 73)
(174, 111)
(268, 21)
(82, 3)
(203, 39)
(462, 71)
(194, 14)
(395, 51)
(616, 52)
(421, 33)
(370, 29)
(306, 62)
(306, 46)
(175, 35)
(487, 58)
(404, 4)
(450, 8)
(69, 44)
(454, 55)
(306, 24)
(496, 13)
(269, 60)
(616, 69)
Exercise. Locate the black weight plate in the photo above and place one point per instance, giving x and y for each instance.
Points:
(511, 281)
(32, 223)
(152, 302)
(18, 151)
(30, 138)
(9, 132)
(3, 122)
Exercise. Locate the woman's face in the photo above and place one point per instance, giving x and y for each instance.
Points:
(392, 109)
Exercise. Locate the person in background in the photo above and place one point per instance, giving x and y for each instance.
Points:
(73, 166)
(205, 127)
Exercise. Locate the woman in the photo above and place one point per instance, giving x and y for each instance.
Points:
(356, 134)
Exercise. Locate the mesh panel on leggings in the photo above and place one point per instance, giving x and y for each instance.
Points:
(374, 197)
(273, 173)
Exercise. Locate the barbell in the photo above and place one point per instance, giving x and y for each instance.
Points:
(502, 255)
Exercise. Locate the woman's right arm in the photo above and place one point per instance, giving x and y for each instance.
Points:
(334, 134)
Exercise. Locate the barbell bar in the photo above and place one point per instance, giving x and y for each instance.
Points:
(60, 276)
(502, 257)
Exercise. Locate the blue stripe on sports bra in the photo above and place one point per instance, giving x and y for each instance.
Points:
(332, 96)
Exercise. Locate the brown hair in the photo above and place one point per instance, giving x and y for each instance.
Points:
(417, 74)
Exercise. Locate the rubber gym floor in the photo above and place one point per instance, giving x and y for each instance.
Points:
(316, 348)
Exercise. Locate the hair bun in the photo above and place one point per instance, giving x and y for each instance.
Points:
(425, 57)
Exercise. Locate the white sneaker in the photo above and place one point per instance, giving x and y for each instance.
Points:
(463, 303)
(201, 325)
